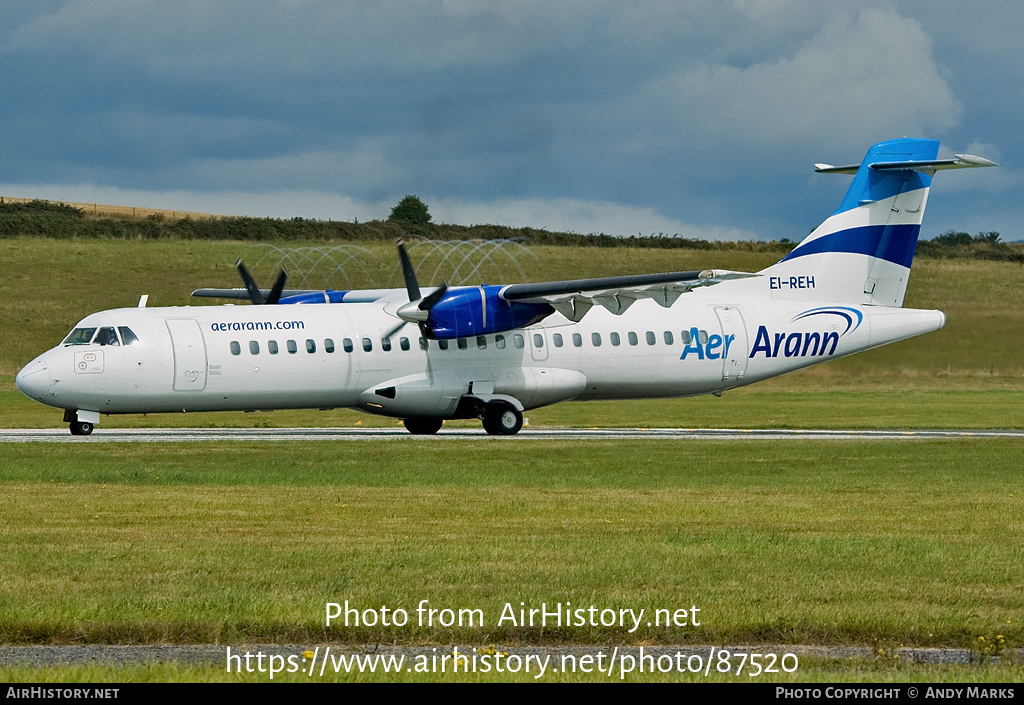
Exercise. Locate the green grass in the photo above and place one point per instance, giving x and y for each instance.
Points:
(804, 542)
(970, 374)
(49, 285)
(800, 542)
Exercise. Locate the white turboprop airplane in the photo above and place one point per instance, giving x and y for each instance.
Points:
(492, 352)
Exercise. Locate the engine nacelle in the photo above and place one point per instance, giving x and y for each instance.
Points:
(329, 296)
(479, 310)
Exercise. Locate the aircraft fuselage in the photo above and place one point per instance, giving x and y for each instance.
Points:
(218, 358)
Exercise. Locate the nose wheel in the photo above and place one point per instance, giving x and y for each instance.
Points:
(81, 428)
(502, 419)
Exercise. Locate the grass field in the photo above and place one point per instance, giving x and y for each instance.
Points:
(801, 542)
(868, 543)
(970, 374)
(49, 285)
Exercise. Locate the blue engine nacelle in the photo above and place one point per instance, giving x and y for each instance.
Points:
(479, 310)
(330, 296)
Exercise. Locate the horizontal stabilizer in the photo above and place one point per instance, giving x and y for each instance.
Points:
(962, 161)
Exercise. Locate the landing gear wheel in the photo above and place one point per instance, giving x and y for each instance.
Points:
(423, 427)
(81, 428)
(502, 419)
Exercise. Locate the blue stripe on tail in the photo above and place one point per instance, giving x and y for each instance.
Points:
(895, 243)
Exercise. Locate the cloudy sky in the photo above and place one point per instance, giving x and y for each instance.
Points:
(698, 118)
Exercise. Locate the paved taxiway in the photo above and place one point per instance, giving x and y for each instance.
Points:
(202, 654)
(172, 435)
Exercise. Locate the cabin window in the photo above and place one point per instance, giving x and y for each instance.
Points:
(463, 343)
(236, 349)
(703, 336)
(668, 337)
(403, 343)
(443, 344)
(423, 343)
(556, 338)
(614, 338)
(631, 337)
(106, 336)
(385, 344)
(329, 345)
(651, 339)
(310, 346)
(538, 340)
(685, 337)
(272, 347)
(254, 347)
(292, 347)
(79, 336)
(346, 345)
(481, 342)
(517, 340)
(367, 345)
(595, 338)
(499, 342)
(127, 336)
(577, 340)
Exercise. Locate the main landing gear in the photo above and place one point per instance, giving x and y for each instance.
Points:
(423, 427)
(500, 418)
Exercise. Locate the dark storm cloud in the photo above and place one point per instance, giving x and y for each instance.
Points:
(698, 113)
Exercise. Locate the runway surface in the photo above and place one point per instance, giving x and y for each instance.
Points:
(176, 435)
(202, 654)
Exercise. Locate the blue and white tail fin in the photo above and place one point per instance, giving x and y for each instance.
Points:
(862, 253)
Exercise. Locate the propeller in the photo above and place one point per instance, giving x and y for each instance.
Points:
(418, 309)
(255, 294)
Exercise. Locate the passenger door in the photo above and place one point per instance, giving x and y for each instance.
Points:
(735, 361)
(189, 354)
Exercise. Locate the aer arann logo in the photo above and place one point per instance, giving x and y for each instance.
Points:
(808, 344)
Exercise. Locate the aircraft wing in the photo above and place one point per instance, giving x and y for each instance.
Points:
(243, 294)
(573, 298)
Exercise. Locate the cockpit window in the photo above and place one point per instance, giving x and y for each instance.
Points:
(101, 336)
(127, 336)
(80, 336)
(106, 336)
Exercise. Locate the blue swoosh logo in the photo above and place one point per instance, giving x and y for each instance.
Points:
(852, 316)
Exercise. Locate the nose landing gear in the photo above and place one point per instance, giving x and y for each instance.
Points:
(82, 422)
(81, 428)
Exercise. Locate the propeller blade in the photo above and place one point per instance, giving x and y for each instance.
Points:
(275, 293)
(411, 285)
(428, 301)
(255, 295)
(395, 329)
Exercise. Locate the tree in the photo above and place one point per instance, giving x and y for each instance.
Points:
(411, 211)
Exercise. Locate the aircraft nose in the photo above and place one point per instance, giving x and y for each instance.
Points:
(34, 379)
